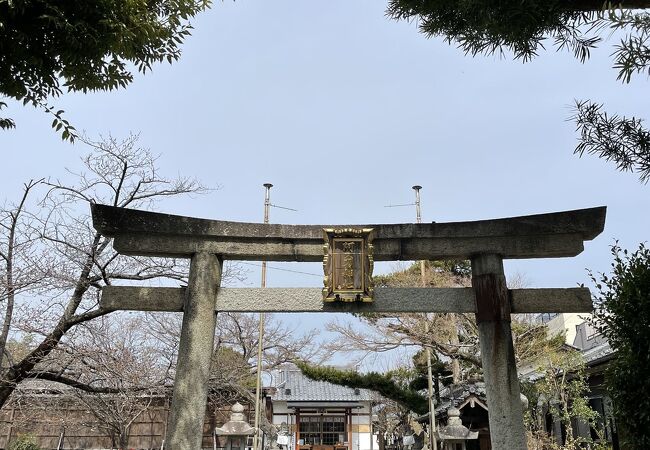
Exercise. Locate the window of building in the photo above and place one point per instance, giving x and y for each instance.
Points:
(333, 430)
(310, 430)
(322, 430)
(604, 421)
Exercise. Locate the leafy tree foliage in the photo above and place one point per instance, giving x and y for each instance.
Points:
(47, 46)
(621, 140)
(439, 370)
(561, 392)
(438, 273)
(404, 385)
(24, 442)
(523, 26)
(5, 122)
(486, 26)
(623, 316)
(391, 384)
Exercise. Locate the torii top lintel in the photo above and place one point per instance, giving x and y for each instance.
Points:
(558, 234)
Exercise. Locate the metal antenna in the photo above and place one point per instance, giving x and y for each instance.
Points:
(418, 216)
(418, 219)
(432, 411)
(258, 387)
(267, 203)
(267, 206)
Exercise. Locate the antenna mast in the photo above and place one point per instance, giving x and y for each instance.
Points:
(258, 388)
(433, 444)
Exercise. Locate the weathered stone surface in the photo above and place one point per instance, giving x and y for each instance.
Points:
(112, 220)
(407, 249)
(389, 300)
(237, 425)
(506, 417)
(491, 297)
(132, 298)
(568, 300)
(185, 426)
(543, 235)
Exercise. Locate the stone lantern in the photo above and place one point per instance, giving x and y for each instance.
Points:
(234, 434)
(454, 435)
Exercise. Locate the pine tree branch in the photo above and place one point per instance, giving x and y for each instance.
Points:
(374, 381)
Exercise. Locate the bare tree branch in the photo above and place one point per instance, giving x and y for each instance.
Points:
(72, 261)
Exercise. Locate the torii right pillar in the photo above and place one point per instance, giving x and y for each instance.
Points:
(505, 410)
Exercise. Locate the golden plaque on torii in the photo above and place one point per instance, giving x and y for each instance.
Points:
(348, 264)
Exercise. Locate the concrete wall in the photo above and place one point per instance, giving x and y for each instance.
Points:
(587, 337)
(566, 323)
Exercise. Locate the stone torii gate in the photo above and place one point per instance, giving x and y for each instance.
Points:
(486, 243)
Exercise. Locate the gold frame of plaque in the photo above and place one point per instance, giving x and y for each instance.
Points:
(348, 264)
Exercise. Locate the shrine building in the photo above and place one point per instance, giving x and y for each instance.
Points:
(317, 415)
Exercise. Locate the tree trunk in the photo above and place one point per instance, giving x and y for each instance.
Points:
(11, 288)
(454, 341)
(8, 313)
(124, 440)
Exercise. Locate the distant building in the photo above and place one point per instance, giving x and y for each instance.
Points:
(581, 335)
(566, 323)
(56, 418)
(597, 353)
(468, 399)
(316, 415)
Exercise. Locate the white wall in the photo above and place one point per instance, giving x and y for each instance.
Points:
(566, 323)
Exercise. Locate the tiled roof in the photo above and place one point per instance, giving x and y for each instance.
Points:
(599, 352)
(304, 389)
(593, 356)
(452, 396)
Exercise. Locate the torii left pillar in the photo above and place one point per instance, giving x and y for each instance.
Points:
(185, 428)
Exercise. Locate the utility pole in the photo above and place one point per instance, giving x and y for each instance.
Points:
(260, 339)
(267, 206)
(433, 444)
(418, 219)
(257, 437)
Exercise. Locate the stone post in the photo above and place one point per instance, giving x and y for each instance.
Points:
(505, 410)
(185, 428)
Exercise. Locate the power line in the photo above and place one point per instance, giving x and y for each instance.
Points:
(280, 268)
(281, 207)
(403, 204)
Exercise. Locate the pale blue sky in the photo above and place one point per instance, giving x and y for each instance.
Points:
(344, 110)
